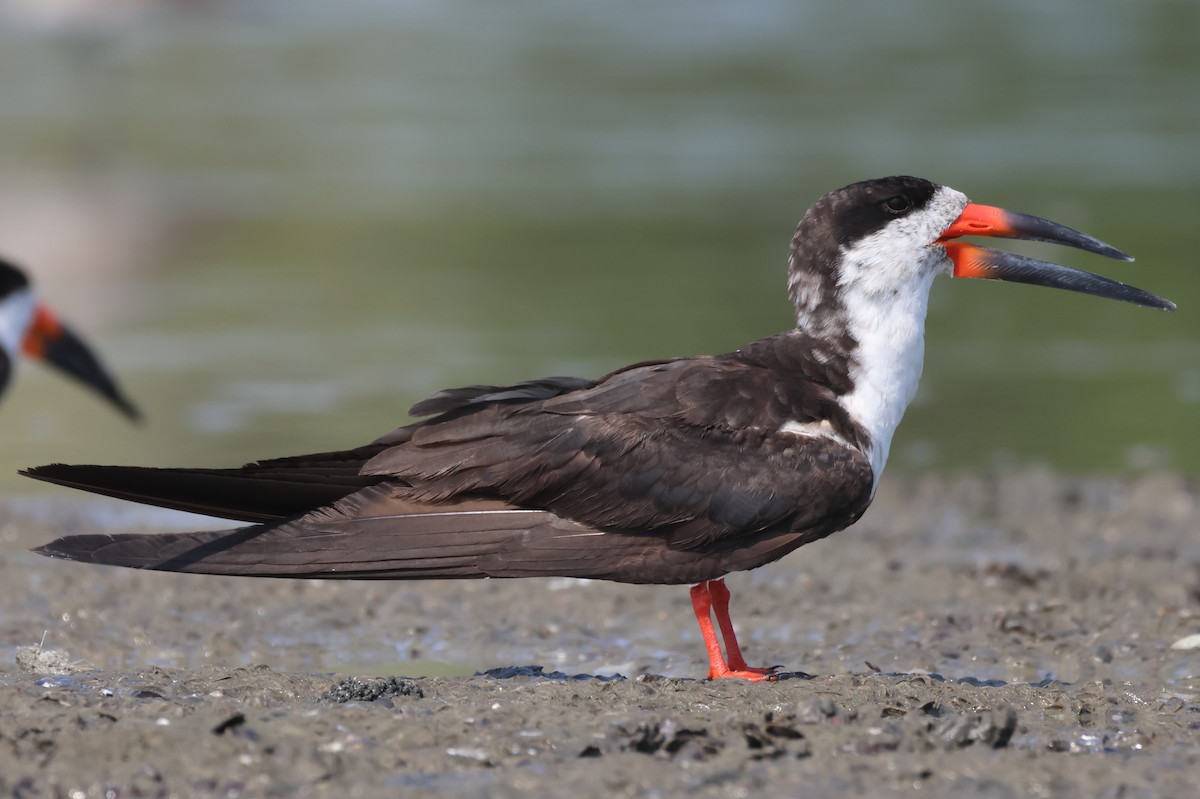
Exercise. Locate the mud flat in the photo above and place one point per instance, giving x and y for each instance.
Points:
(1027, 635)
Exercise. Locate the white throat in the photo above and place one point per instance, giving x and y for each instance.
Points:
(884, 287)
(887, 363)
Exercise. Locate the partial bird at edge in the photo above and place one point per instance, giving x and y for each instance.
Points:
(29, 327)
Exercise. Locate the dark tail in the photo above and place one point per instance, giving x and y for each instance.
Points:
(369, 535)
(258, 492)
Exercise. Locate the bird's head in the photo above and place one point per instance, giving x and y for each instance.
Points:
(889, 237)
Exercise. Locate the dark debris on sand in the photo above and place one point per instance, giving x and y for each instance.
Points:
(358, 689)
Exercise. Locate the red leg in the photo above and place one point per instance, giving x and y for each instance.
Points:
(720, 602)
(703, 597)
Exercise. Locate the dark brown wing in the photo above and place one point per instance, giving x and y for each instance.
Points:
(281, 488)
(666, 472)
(454, 399)
(378, 533)
(690, 449)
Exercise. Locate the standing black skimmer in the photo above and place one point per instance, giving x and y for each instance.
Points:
(676, 471)
(30, 327)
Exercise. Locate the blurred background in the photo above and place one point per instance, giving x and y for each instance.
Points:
(281, 222)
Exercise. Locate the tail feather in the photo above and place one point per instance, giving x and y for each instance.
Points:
(249, 552)
(258, 492)
(374, 534)
(389, 542)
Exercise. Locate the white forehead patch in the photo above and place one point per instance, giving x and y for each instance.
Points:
(16, 314)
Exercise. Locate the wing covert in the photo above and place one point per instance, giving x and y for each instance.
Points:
(687, 449)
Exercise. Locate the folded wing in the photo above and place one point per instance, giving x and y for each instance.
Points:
(674, 471)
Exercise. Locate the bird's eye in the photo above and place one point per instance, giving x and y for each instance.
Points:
(898, 204)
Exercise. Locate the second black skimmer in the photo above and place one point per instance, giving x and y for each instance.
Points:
(675, 471)
(29, 327)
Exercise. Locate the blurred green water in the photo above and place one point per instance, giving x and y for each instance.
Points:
(284, 223)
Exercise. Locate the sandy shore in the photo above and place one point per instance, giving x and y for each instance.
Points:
(1011, 637)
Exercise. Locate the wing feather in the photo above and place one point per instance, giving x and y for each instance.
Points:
(668, 471)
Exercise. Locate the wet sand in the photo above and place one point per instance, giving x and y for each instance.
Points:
(998, 637)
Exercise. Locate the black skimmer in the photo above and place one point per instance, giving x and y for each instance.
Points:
(677, 471)
(30, 327)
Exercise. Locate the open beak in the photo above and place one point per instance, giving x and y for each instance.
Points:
(53, 342)
(971, 260)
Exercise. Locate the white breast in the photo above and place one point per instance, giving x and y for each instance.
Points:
(884, 287)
